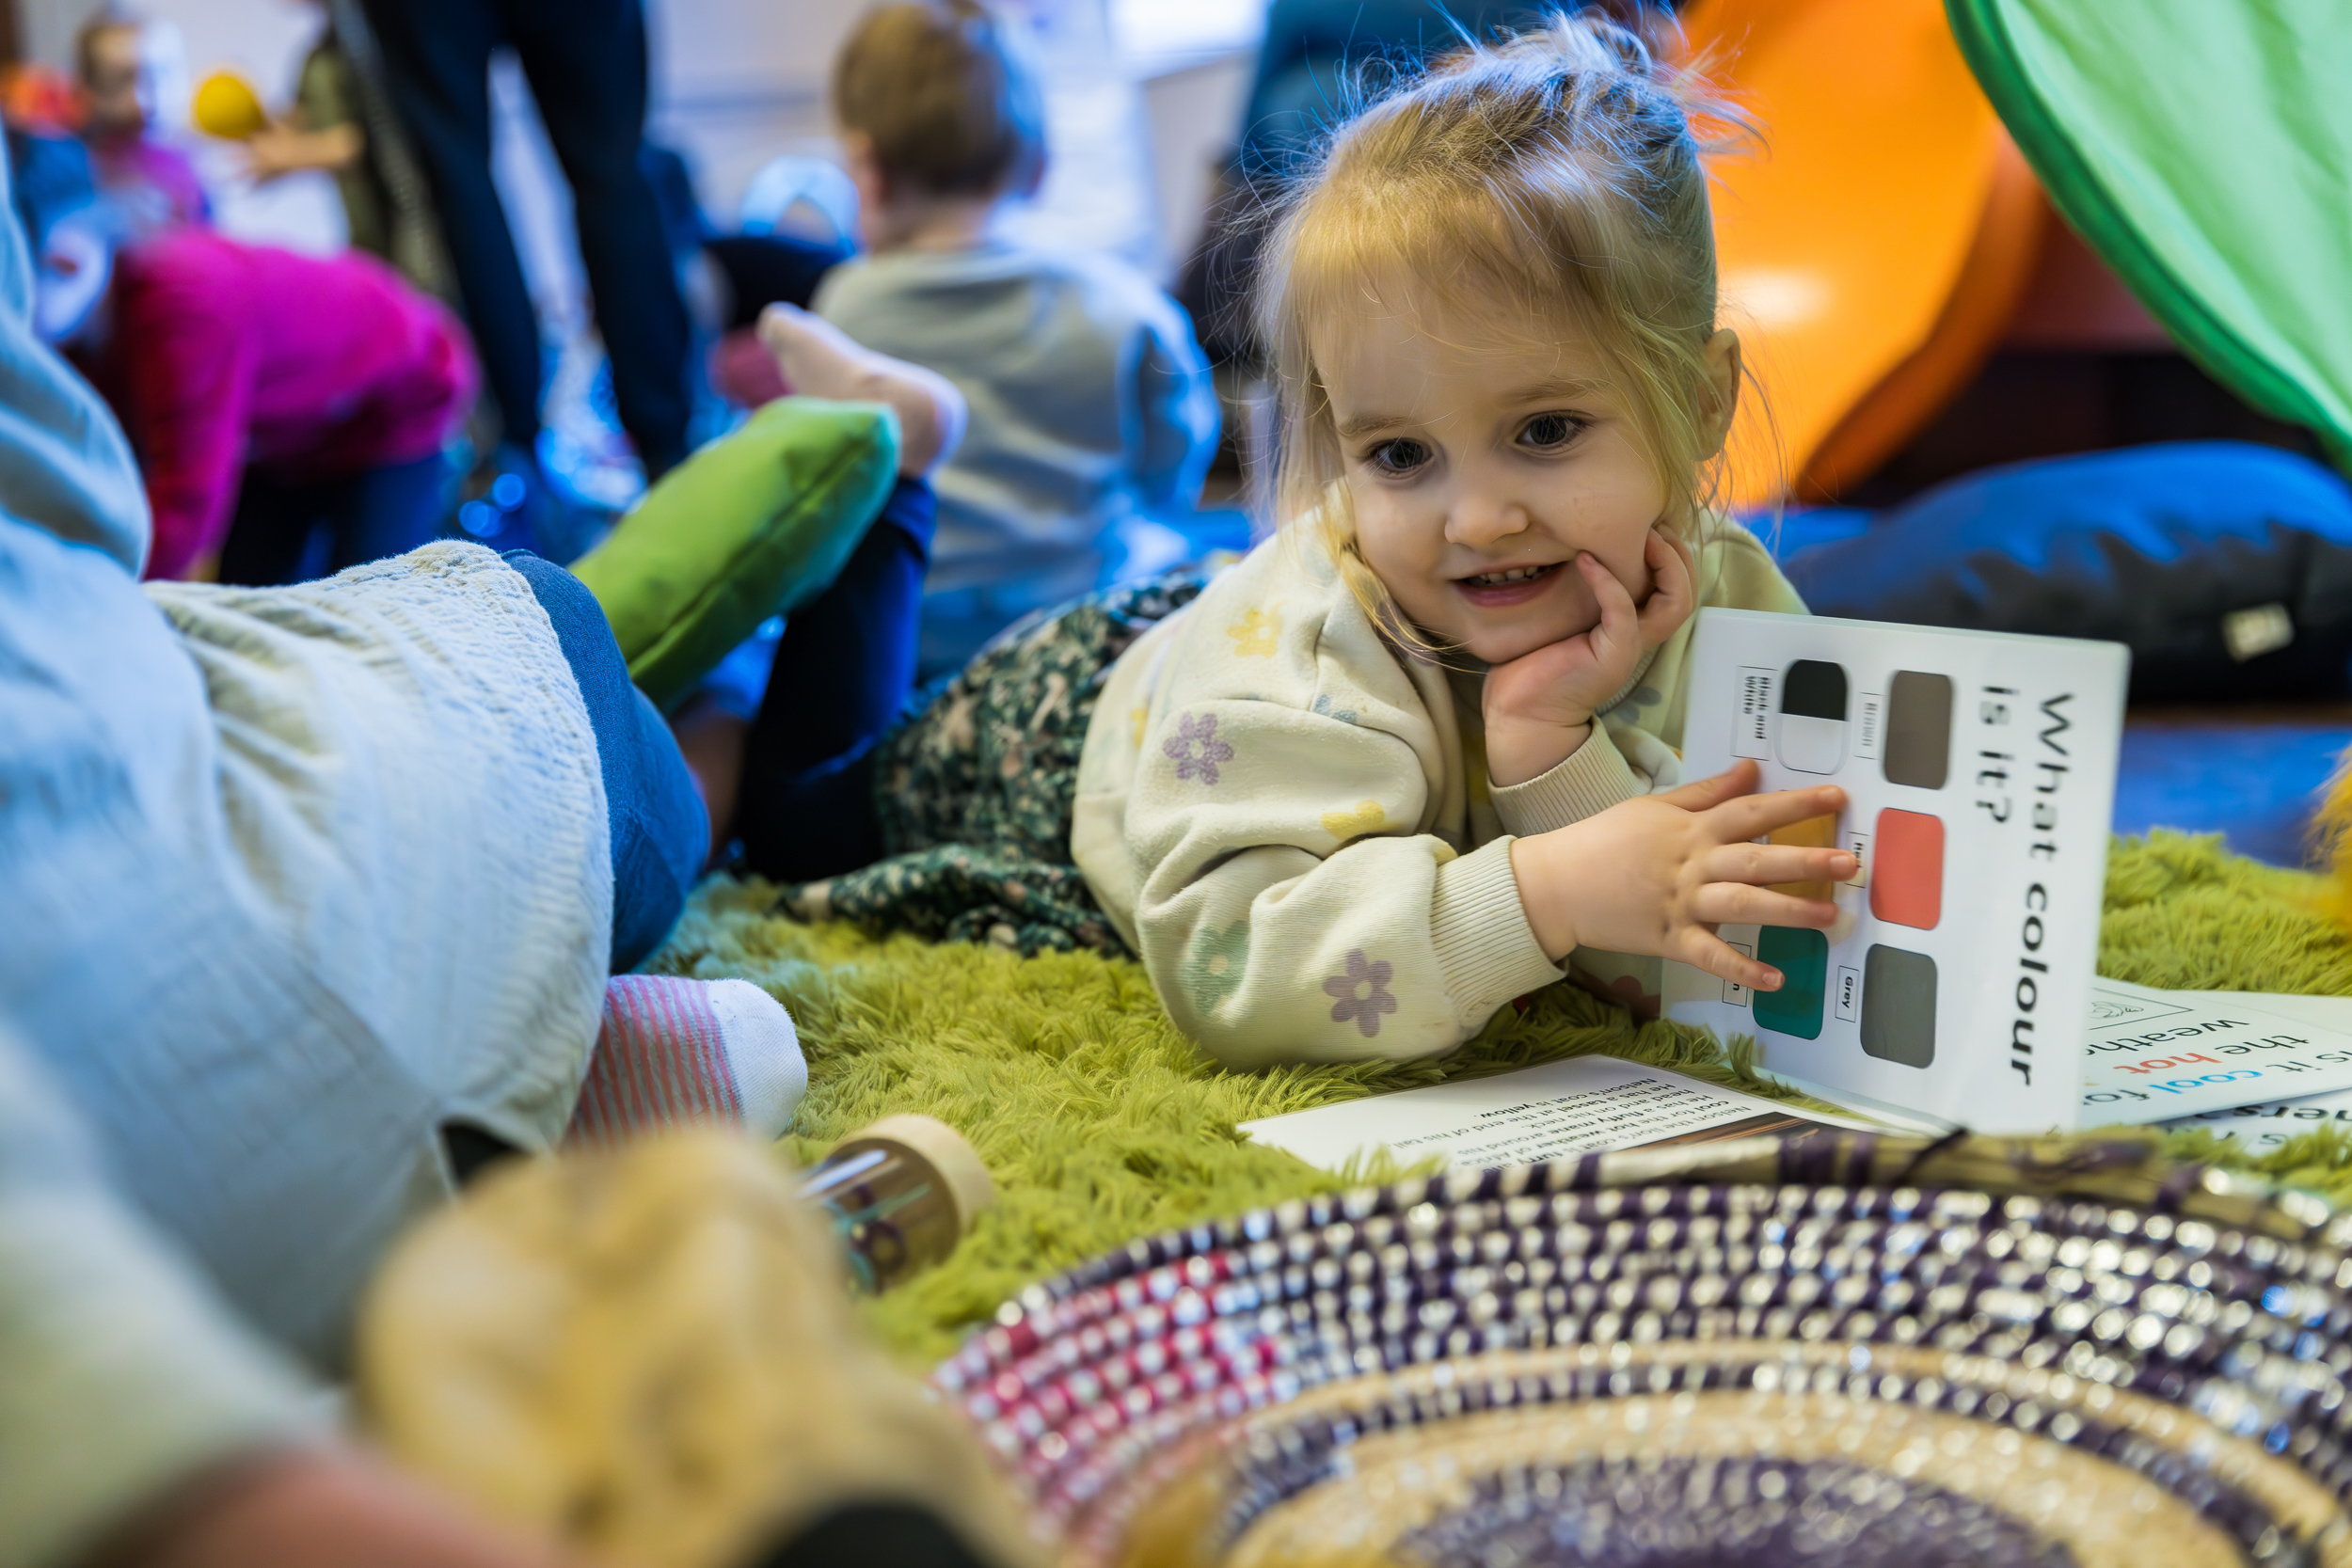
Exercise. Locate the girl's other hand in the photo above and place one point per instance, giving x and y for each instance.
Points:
(1539, 707)
(1659, 873)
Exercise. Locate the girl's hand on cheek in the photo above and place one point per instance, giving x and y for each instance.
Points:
(1657, 874)
(1539, 706)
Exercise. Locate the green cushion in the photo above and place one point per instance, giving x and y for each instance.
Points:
(2203, 147)
(753, 525)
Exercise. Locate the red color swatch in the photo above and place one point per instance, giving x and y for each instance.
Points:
(1907, 869)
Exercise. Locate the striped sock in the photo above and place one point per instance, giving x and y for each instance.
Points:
(676, 1051)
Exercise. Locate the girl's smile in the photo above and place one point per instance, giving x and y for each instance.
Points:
(1513, 585)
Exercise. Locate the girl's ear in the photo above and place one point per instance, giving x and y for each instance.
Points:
(1723, 373)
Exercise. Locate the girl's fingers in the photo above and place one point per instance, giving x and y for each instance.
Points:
(1754, 815)
(1708, 794)
(1671, 574)
(1703, 949)
(1618, 618)
(1739, 903)
(1775, 862)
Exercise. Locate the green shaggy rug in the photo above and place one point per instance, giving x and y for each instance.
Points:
(1102, 1123)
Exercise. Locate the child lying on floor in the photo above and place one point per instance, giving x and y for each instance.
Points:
(1416, 756)
(313, 892)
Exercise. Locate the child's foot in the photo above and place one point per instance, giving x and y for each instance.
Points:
(818, 359)
(677, 1050)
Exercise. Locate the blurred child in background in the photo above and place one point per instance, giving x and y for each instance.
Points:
(1091, 405)
(152, 182)
(289, 412)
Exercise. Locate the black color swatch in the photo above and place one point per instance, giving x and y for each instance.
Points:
(1814, 688)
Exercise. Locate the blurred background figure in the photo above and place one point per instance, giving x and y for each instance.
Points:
(152, 184)
(585, 62)
(289, 412)
(1092, 413)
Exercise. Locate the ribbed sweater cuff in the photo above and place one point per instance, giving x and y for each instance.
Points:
(1486, 949)
(1593, 778)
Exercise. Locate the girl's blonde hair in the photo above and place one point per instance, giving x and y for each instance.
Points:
(1556, 173)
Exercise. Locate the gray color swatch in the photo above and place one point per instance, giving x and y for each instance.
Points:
(1918, 729)
(1898, 1005)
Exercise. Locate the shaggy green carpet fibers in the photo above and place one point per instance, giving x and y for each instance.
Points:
(1102, 1123)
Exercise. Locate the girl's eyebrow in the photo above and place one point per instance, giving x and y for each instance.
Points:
(1364, 424)
(1539, 391)
(1542, 390)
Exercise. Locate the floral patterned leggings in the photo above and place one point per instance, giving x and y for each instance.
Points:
(973, 792)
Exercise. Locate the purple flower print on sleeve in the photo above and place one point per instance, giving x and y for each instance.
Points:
(1371, 980)
(1201, 732)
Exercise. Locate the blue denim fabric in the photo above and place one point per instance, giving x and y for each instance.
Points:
(841, 677)
(661, 828)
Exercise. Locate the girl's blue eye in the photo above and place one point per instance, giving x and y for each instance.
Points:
(1398, 458)
(1549, 431)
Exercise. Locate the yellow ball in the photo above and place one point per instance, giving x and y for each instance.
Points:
(226, 107)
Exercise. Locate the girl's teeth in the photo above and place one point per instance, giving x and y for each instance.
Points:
(1496, 579)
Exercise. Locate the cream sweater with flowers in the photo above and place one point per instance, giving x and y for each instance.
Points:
(1289, 817)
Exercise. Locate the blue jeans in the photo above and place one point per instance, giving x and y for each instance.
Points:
(661, 828)
(841, 677)
(585, 60)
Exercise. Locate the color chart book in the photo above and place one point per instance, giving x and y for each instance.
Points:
(1979, 771)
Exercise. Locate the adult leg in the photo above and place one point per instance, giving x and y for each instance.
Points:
(271, 531)
(586, 61)
(387, 511)
(660, 832)
(437, 58)
(841, 677)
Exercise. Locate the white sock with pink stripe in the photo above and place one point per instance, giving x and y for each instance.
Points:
(676, 1051)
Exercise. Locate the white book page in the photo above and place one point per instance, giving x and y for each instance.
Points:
(2161, 1056)
(1582, 1105)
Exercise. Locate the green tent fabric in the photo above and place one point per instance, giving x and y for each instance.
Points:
(2203, 147)
(756, 524)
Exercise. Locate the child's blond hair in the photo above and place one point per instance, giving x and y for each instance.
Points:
(1556, 174)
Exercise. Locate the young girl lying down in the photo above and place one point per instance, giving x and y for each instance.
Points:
(1416, 755)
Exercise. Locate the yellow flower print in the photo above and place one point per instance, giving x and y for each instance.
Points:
(1135, 717)
(1253, 635)
(1364, 816)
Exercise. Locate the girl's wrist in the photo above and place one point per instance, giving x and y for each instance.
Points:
(1517, 753)
(1539, 879)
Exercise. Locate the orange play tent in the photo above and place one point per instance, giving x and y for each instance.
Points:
(1874, 248)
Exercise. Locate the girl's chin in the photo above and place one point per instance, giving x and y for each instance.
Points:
(1501, 644)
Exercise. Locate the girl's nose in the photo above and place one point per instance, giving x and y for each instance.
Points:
(1479, 520)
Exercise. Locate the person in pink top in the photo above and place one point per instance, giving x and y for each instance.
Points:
(289, 411)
